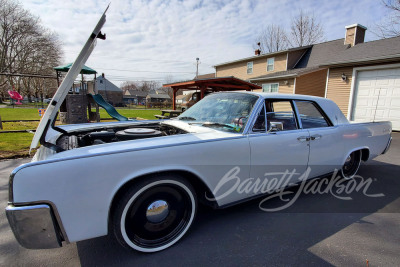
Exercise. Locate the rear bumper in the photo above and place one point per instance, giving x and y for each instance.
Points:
(34, 226)
(387, 146)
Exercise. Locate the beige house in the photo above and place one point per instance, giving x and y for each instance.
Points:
(135, 97)
(362, 78)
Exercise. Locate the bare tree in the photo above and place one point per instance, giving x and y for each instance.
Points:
(149, 86)
(305, 29)
(272, 38)
(390, 26)
(168, 90)
(145, 86)
(25, 47)
(129, 85)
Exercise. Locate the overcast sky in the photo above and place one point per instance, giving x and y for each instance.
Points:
(154, 39)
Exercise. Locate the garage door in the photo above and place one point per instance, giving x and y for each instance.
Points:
(377, 96)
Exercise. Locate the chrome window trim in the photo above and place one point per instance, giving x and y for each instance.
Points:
(265, 117)
(251, 120)
(320, 110)
(294, 110)
(297, 114)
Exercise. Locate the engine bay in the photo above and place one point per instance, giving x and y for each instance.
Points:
(105, 135)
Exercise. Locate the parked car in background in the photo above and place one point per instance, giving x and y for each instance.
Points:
(93, 179)
(47, 100)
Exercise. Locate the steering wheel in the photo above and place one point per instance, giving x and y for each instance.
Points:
(237, 121)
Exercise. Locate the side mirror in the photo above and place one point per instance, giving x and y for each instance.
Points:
(275, 127)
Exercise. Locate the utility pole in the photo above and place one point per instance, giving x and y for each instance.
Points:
(197, 67)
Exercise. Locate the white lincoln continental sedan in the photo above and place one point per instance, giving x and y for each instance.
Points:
(141, 181)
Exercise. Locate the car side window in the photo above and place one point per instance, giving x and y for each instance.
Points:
(259, 124)
(280, 112)
(310, 115)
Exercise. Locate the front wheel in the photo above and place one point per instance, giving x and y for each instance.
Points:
(351, 165)
(155, 213)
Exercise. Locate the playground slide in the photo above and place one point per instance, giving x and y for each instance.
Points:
(109, 108)
(16, 96)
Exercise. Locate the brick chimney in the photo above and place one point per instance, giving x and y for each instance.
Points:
(355, 34)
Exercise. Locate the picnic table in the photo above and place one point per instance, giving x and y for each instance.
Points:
(168, 113)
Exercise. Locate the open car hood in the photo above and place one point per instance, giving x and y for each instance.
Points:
(50, 115)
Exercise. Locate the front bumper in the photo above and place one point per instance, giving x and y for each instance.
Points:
(34, 226)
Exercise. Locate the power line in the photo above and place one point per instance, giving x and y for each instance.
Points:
(144, 59)
(146, 71)
(32, 75)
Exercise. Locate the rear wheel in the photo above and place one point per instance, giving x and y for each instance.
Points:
(155, 214)
(351, 165)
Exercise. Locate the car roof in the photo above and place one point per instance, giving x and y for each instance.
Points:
(279, 95)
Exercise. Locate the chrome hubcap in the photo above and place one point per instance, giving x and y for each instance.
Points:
(157, 211)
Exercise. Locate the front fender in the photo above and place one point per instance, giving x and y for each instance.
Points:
(82, 188)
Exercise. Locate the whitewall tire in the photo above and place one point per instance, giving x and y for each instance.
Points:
(154, 214)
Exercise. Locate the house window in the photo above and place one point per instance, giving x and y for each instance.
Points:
(270, 64)
(270, 87)
(249, 67)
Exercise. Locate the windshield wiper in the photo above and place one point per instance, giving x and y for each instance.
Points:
(210, 124)
(187, 118)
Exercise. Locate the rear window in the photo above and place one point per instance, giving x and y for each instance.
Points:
(310, 115)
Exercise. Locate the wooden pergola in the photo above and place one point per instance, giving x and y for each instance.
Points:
(211, 85)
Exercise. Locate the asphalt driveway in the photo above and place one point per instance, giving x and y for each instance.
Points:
(315, 230)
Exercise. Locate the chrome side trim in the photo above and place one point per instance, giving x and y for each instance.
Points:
(46, 161)
(34, 226)
(387, 146)
(10, 186)
(11, 182)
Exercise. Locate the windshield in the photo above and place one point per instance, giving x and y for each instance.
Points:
(223, 111)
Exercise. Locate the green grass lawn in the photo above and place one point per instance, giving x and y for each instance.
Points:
(17, 144)
(33, 114)
(23, 125)
(14, 145)
(19, 114)
(147, 114)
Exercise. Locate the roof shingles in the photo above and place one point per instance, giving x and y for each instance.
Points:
(383, 48)
(334, 52)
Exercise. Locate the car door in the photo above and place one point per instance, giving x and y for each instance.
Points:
(276, 154)
(326, 146)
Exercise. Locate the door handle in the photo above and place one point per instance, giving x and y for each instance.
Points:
(316, 136)
(303, 138)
